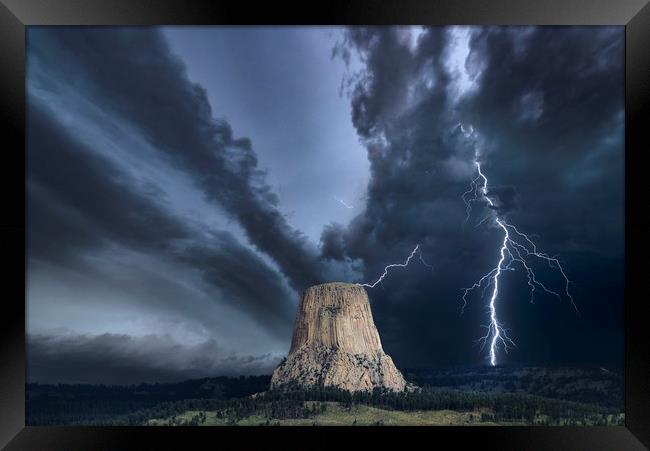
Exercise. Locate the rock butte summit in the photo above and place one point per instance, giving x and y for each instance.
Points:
(336, 344)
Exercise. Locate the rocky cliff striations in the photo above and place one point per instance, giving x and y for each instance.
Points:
(336, 344)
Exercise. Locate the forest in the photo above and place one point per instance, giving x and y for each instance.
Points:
(518, 396)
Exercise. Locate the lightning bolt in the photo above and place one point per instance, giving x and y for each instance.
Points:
(416, 250)
(343, 203)
(473, 190)
(516, 247)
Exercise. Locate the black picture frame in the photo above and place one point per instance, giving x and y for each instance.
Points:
(15, 15)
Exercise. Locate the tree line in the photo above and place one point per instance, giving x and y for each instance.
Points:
(233, 399)
(292, 404)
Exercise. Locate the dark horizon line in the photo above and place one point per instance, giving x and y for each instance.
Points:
(608, 366)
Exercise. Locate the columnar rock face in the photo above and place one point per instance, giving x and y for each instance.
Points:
(335, 343)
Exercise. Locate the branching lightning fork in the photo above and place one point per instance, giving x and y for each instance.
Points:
(516, 247)
(416, 250)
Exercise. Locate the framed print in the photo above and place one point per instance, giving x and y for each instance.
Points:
(352, 217)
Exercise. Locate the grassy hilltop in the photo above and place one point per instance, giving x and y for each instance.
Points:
(336, 414)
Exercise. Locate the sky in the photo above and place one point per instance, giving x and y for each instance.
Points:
(186, 184)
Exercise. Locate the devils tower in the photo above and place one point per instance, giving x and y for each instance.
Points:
(336, 344)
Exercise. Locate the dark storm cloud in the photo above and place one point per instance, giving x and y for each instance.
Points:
(575, 73)
(86, 204)
(124, 359)
(86, 200)
(332, 242)
(553, 90)
(551, 106)
(240, 273)
(547, 106)
(400, 109)
(504, 198)
(132, 74)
